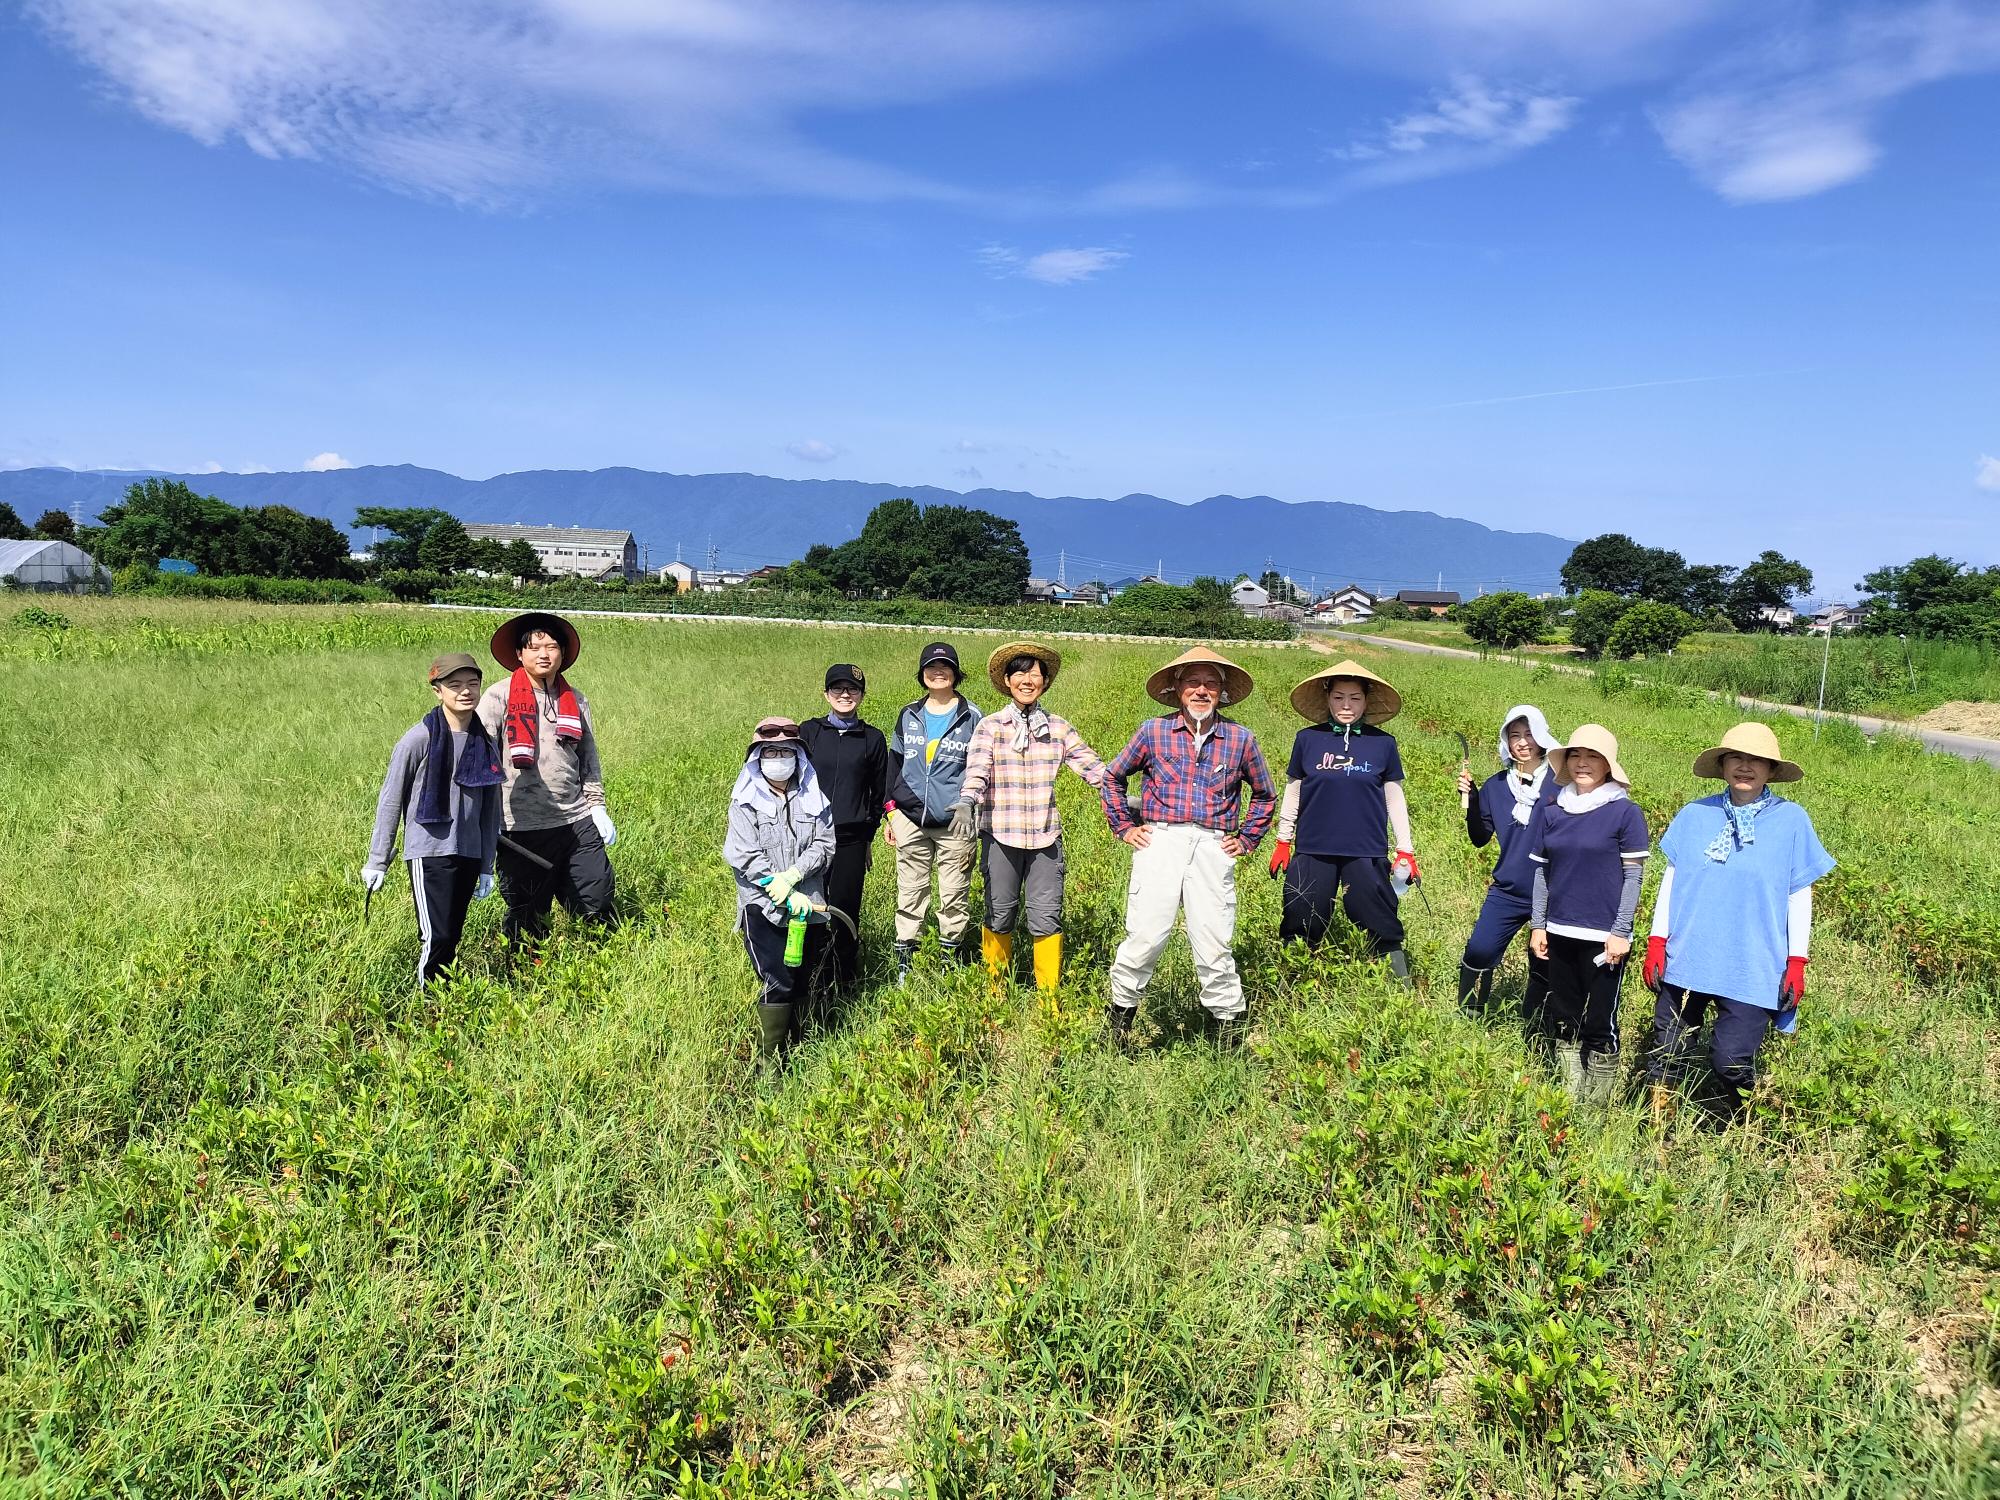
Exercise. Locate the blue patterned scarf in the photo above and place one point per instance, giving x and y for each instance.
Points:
(1739, 825)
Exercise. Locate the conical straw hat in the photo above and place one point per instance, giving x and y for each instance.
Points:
(1309, 697)
(1749, 738)
(1048, 656)
(1164, 685)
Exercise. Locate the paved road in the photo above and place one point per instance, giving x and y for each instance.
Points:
(1964, 746)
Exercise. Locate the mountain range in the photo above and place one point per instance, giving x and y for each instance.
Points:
(744, 520)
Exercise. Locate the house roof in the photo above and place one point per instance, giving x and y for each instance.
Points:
(1427, 596)
(546, 536)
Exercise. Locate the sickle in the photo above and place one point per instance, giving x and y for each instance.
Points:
(1465, 760)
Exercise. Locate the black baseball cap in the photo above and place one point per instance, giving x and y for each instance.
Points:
(940, 651)
(846, 671)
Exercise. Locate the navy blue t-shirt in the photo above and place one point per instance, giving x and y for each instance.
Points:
(1492, 816)
(1342, 811)
(1584, 854)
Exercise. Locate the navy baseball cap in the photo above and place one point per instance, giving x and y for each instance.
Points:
(940, 651)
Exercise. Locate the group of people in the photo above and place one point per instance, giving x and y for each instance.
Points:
(507, 784)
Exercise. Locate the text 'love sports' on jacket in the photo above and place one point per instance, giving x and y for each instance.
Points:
(772, 831)
(927, 772)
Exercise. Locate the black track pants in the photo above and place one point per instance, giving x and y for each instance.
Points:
(1311, 886)
(844, 880)
(442, 887)
(1583, 994)
(580, 877)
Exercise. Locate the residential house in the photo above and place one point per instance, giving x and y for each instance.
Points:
(1348, 606)
(1778, 616)
(568, 551)
(1042, 591)
(1841, 617)
(679, 574)
(1434, 602)
(1250, 596)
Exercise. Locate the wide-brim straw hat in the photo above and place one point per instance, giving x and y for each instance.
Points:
(1048, 656)
(1749, 738)
(1588, 737)
(1164, 685)
(507, 651)
(1309, 697)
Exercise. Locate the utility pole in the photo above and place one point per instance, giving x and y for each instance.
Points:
(1062, 563)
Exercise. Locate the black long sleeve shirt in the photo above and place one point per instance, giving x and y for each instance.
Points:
(853, 769)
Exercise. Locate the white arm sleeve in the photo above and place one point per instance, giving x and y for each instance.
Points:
(1798, 921)
(1288, 813)
(1399, 813)
(1660, 900)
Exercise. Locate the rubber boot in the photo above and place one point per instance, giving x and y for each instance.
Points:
(1569, 1067)
(1474, 988)
(1399, 966)
(1600, 1084)
(1048, 968)
(774, 1030)
(906, 955)
(1118, 1024)
(997, 948)
(1229, 1033)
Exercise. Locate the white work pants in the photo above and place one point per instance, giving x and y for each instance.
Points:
(1182, 871)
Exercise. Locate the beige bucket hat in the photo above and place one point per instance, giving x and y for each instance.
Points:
(1309, 697)
(1048, 656)
(1588, 737)
(1749, 738)
(1164, 685)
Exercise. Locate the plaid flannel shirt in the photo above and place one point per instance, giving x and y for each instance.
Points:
(1017, 787)
(1183, 788)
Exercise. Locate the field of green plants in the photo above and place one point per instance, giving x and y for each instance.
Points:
(277, 1225)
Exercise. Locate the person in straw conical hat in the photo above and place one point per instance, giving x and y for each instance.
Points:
(1343, 805)
(1010, 771)
(1191, 830)
(1501, 808)
(1589, 848)
(1732, 920)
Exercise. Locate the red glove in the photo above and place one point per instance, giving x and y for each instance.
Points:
(1792, 988)
(1654, 969)
(1407, 863)
(1281, 856)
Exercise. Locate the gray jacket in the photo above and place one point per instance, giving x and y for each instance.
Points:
(926, 788)
(769, 832)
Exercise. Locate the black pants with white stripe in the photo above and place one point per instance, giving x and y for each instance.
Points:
(1582, 1004)
(442, 886)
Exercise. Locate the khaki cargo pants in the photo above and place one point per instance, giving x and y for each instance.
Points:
(919, 851)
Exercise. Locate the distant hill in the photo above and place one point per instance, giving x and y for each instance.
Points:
(751, 519)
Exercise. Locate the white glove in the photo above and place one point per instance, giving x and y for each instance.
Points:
(372, 876)
(780, 884)
(604, 829)
(483, 889)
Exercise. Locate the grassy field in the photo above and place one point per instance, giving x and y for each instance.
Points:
(1864, 674)
(279, 1226)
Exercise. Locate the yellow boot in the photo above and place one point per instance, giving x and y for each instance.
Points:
(1048, 968)
(997, 948)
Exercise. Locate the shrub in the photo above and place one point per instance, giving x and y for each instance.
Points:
(34, 617)
(1649, 629)
(1593, 617)
(1509, 619)
(414, 585)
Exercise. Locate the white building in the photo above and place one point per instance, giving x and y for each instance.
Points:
(51, 567)
(1249, 596)
(1349, 606)
(569, 551)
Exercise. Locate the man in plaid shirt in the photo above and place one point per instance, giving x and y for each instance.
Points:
(1188, 837)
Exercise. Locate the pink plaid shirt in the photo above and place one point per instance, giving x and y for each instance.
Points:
(1016, 787)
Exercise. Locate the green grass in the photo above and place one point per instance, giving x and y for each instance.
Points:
(280, 1227)
(1864, 674)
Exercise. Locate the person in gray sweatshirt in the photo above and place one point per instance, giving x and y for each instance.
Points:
(443, 786)
(780, 844)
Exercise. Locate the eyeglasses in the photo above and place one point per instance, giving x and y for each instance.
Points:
(845, 690)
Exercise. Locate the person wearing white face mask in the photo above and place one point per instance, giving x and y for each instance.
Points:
(780, 843)
(1501, 808)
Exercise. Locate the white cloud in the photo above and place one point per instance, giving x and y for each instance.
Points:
(211, 467)
(1798, 115)
(1052, 267)
(813, 451)
(492, 102)
(1492, 120)
(1987, 475)
(321, 463)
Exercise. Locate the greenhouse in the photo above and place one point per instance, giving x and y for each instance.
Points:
(45, 566)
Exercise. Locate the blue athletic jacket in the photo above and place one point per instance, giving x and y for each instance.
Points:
(925, 791)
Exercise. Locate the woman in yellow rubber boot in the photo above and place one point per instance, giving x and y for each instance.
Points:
(1011, 773)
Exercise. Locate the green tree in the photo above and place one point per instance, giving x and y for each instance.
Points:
(489, 556)
(275, 541)
(971, 557)
(1934, 596)
(1706, 589)
(407, 527)
(1648, 628)
(56, 525)
(1281, 589)
(1615, 564)
(523, 561)
(1594, 614)
(1155, 599)
(445, 547)
(1770, 582)
(12, 527)
(164, 518)
(1505, 620)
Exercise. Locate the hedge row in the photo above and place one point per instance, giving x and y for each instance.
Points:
(146, 581)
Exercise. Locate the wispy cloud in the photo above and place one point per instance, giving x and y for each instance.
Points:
(1987, 474)
(1063, 267)
(813, 451)
(1469, 114)
(1799, 114)
(322, 462)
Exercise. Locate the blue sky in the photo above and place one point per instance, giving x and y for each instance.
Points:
(1724, 283)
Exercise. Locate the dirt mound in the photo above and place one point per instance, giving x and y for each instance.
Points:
(1963, 718)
